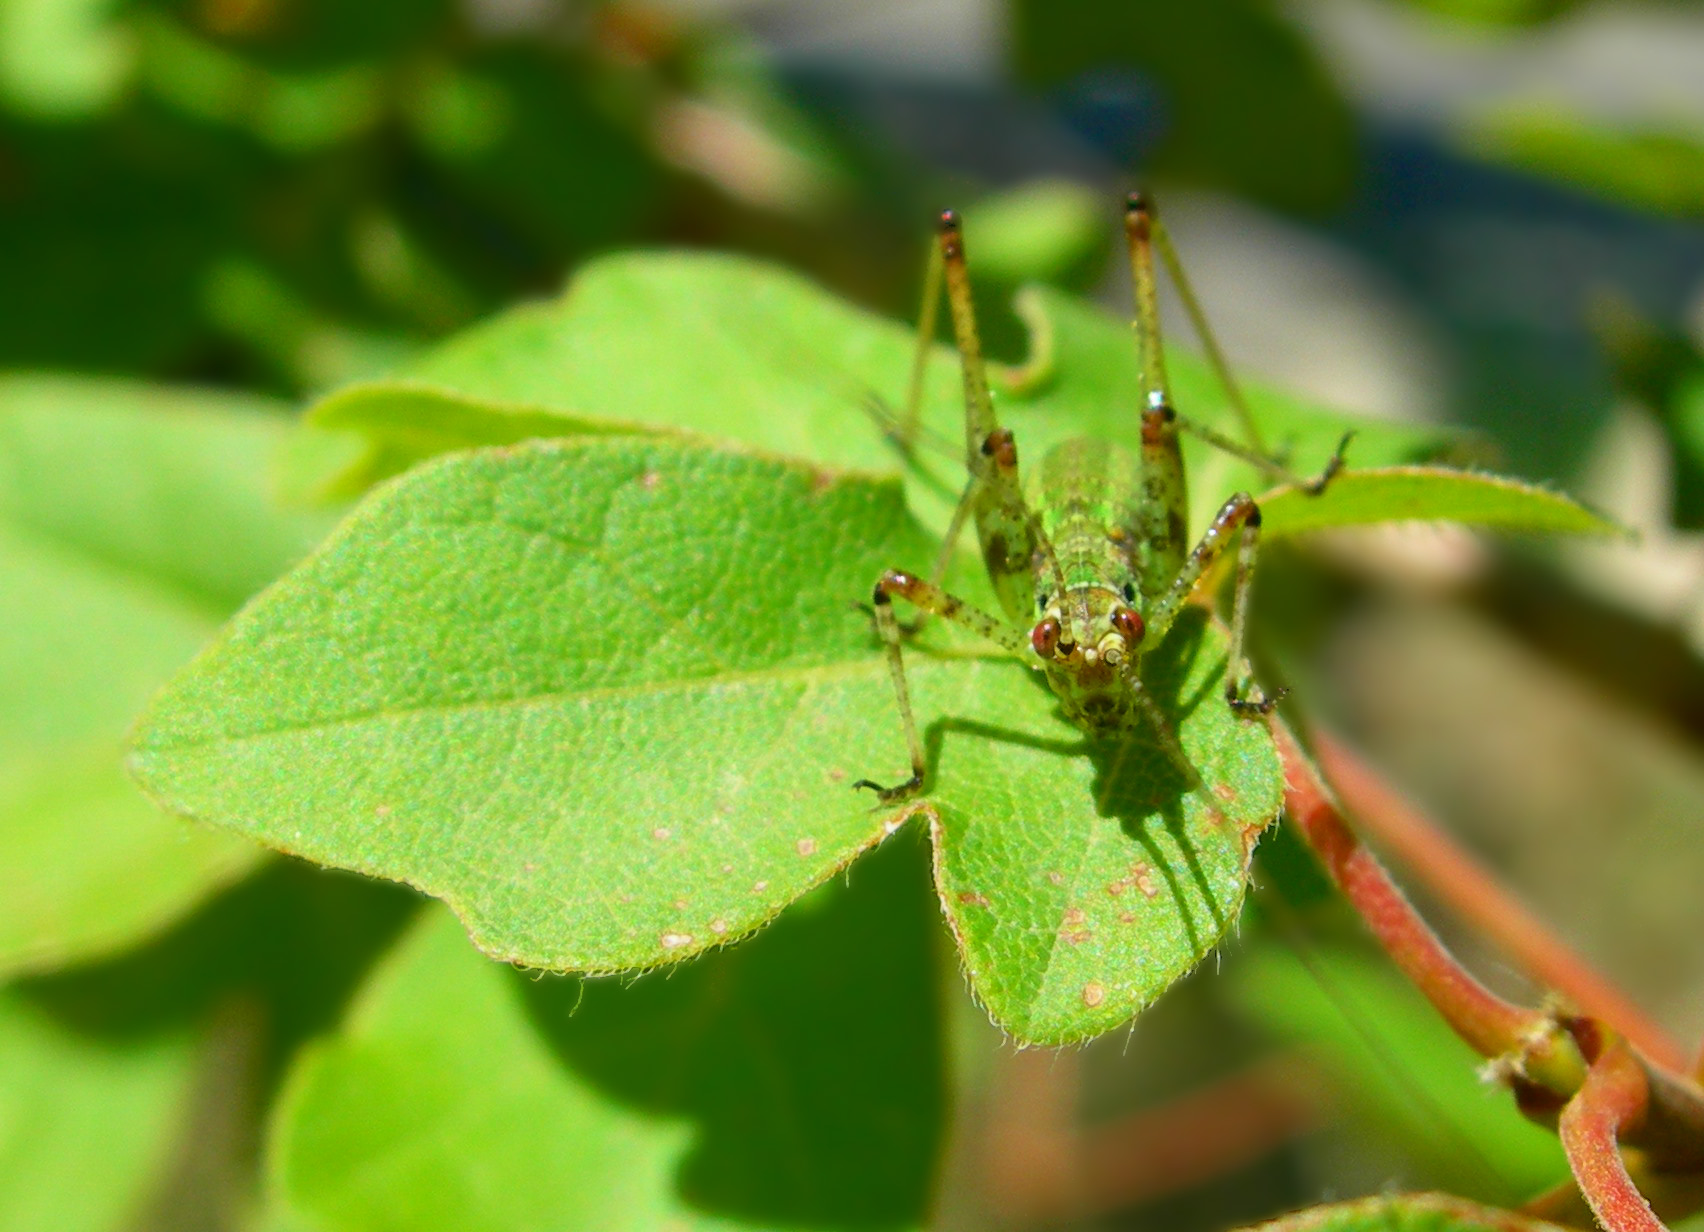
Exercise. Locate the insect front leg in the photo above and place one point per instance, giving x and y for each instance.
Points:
(1239, 514)
(932, 599)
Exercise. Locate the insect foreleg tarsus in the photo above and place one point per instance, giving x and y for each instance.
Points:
(937, 602)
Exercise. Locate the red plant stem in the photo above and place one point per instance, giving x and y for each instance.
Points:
(1456, 878)
(1490, 1025)
(1612, 1100)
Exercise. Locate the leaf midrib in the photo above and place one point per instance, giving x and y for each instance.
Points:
(816, 673)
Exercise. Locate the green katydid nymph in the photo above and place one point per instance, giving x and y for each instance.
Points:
(1092, 563)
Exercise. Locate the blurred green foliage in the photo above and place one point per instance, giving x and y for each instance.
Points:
(1662, 371)
(292, 193)
(1246, 103)
(286, 196)
(1660, 169)
(1497, 13)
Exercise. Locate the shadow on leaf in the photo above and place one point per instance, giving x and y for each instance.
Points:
(808, 1057)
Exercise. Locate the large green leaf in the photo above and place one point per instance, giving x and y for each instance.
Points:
(131, 522)
(793, 1082)
(607, 699)
(1420, 1212)
(85, 1123)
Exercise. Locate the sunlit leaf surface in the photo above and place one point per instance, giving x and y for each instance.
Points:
(607, 699)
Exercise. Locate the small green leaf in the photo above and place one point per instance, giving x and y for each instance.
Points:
(1653, 166)
(1400, 1068)
(62, 59)
(1418, 1212)
(131, 522)
(1420, 493)
(792, 1082)
(607, 699)
(85, 1124)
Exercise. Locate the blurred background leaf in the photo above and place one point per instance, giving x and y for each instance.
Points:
(1244, 101)
(1413, 208)
(793, 1081)
(133, 519)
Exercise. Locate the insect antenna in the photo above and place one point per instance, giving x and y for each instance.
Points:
(1293, 928)
(1203, 331)
(933, 274)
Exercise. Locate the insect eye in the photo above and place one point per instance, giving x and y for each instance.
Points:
(1129, 625)
(1045, 637)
